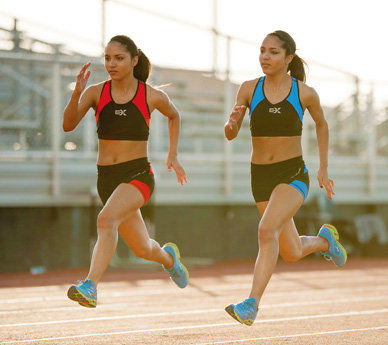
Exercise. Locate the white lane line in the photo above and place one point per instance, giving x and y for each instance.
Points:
(122, 317)
(110, 294)
(277, 279)
(212, 289)
(353, 276)
(308, 317)
(339, 300)
(297, 335)
(113, 306)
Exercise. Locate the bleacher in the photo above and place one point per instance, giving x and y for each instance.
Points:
(40, 165)
(48, 197)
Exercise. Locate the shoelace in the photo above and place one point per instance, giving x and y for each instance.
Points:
(249, 307)
(336, 253)
(175, 272)
(88, 286)
(328, 258)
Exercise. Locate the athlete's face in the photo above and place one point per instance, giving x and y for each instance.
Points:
(273, 57)
(118, 61)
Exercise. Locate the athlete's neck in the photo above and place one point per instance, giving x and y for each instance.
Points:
(277, 82)
(124, 86)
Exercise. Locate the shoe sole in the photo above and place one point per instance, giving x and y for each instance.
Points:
(178, 255)
(334, 231)
(230, 310)
(76, 295)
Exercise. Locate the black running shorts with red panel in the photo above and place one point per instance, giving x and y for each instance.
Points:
(137, 172)
(265, 177)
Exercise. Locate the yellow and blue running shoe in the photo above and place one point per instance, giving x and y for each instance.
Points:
(178, 273)
(85, 293)
(244, 312)
(336, 252)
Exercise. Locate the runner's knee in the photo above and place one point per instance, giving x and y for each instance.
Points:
(105, 222)
(267, 232)
(292, 256)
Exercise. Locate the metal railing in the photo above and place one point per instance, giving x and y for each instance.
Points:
(39, 164)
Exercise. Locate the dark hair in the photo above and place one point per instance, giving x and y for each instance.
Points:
(143, 68)
(296, 66)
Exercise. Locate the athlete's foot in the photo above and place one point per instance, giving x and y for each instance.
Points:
(336, 252)
(178, 272)
(244, 312)
(85, 293)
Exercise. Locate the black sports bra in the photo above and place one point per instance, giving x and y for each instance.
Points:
(283, 119)
(129, 121)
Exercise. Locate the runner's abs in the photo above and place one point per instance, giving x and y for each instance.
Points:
(119, 151)
(268, 150)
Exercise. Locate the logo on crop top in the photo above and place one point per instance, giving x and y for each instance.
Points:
(275, 110)
(121, 112)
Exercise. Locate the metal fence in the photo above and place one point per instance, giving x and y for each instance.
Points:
(42, 165)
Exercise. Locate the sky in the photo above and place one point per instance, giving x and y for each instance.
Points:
(340, 39)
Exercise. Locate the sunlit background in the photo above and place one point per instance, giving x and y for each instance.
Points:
(204, 49)
(345, 36)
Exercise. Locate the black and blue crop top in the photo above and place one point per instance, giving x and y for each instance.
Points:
(128, 121)
(283, 119)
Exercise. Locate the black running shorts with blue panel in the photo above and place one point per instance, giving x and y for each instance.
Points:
(265, 177)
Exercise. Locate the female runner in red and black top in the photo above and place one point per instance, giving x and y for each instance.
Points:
(279, 176)
(123, 107)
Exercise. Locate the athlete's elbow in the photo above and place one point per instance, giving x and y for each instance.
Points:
(321, 125)
(229, 135)
(67, 127)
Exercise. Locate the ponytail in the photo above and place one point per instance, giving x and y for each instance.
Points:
(143, 68)
(297, 66)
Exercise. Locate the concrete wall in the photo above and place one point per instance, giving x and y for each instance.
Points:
(61, 237)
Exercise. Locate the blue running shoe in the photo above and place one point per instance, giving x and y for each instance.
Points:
(336, 252)
(244, 312)
(178, 272)
(85, 293)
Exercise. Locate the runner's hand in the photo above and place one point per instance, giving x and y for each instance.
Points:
(172, 162)
(324, 181)
(235, 115)
(82, 79)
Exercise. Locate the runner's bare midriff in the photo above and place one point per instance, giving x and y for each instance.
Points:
(119, 151)
(269, 150)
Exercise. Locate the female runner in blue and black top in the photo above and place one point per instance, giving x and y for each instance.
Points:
(279, 176)
(123, 107)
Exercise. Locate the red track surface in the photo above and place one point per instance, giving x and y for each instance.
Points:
(311, 302)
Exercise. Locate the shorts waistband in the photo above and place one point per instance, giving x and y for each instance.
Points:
(132, 164)
(287, 162)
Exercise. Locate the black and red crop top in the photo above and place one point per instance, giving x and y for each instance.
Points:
(128, 121)
(283, 119)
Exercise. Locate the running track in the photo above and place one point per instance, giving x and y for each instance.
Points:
(310, 302)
